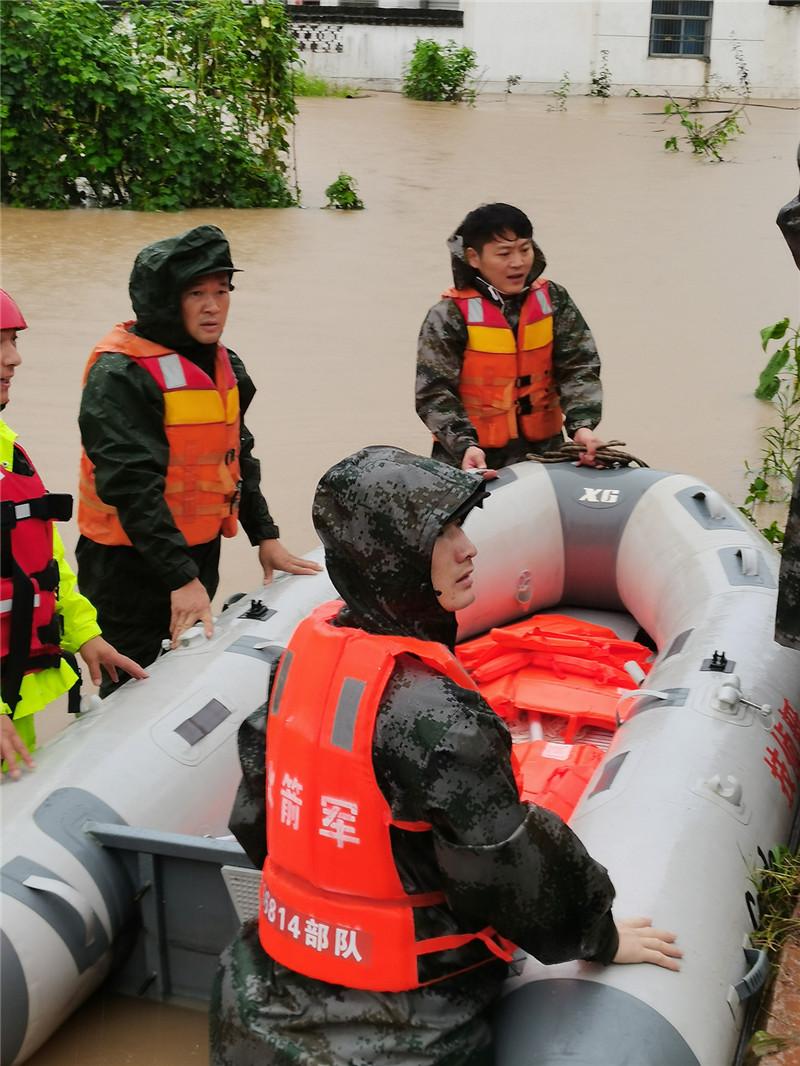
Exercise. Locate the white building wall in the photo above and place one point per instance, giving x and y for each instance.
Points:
(540, 40)
(372, 56)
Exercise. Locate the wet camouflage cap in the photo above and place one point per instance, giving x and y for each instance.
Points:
(162, 271)
(378, 513)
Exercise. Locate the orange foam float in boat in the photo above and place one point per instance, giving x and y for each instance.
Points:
(555, 775)
(562, 671)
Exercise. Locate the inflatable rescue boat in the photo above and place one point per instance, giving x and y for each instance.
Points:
(623, 626)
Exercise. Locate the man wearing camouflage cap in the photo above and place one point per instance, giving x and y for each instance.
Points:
(167, 467)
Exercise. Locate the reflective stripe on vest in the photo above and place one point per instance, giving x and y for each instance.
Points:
(202, 425)
(29, 625)
(332, 902)
(506, 382)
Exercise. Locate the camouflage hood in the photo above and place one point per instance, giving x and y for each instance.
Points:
(378, 514)
(466, 277)
(160, 274)
(789, 222)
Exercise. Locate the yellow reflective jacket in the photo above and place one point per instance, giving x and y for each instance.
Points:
(80, 624)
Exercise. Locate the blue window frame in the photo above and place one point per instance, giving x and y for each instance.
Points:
(680, 28)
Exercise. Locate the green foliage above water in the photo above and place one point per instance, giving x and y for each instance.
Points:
(160, 106)
(343, 194)
(600, 83)
(440, 72)
(311, 85)
(770, 479)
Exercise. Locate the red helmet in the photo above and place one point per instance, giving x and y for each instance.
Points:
(10, 315)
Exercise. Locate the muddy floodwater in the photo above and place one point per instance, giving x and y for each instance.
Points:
(675, 263)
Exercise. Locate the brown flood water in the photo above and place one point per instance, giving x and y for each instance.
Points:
(676, 265)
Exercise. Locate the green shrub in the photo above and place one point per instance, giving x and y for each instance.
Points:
(440, 72)
(178, 106)
(770, 479)
(311, 85)
(343, 194)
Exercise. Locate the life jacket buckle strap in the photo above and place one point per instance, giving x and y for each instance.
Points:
(523, 381)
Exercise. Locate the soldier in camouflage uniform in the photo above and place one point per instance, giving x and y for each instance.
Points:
(493, 251)
(787, 618)
(440, 756)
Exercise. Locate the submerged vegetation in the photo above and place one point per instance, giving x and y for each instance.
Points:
(706, 137)
(778, 887)
(600, 82)
(560, 94)
(312, 85)
(770, 480)
(163, 107)
(343, 194)
(440, 72)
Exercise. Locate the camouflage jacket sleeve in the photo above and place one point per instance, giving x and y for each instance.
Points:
(576, 364)
(440, 354)
(516, 867)
(254, 513)
(248, 820)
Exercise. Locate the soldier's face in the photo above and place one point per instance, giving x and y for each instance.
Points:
(9, 361)
(504, 262)
(204, 306)
(451, 568)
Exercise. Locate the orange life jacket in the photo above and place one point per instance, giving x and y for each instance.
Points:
(506, 382)
(201, 421)
(30, 628)
(332, 903)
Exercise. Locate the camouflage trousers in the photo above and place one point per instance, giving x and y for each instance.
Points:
(787, 617)
(265, 1015)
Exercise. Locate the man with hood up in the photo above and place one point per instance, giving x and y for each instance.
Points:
(399, 866)
(167, 467)
(505, 359)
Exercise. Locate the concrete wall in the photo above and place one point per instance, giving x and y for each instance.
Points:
(540, 40)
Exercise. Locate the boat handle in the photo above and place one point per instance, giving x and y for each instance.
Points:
(715, 505)
(749, 561)
(70, 895)
(753, 980)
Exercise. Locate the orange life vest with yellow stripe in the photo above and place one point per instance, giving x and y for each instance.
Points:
(201, 421)
(332, 905)
(506, 382)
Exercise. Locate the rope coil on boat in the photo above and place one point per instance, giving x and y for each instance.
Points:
(608, 455)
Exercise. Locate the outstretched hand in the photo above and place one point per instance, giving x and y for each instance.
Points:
(474, 458)
(12, 747)
(98, 652)
(273, 556)
(640, 942)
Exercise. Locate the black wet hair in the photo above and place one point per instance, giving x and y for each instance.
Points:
(490, 221)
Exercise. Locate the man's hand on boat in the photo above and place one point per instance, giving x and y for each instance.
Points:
(190, 604)
(273, 556)
(98, 652)
(12, 748)
(474, 458)
(640, 942)
(589, 440)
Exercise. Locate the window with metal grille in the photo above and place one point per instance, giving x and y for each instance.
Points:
(680, 28)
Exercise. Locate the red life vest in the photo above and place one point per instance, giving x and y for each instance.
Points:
(201, 421)
(506, 382)
(332, 904)
(30, 628)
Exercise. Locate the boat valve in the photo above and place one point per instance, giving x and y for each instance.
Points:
(728, 697)
(732, 791)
